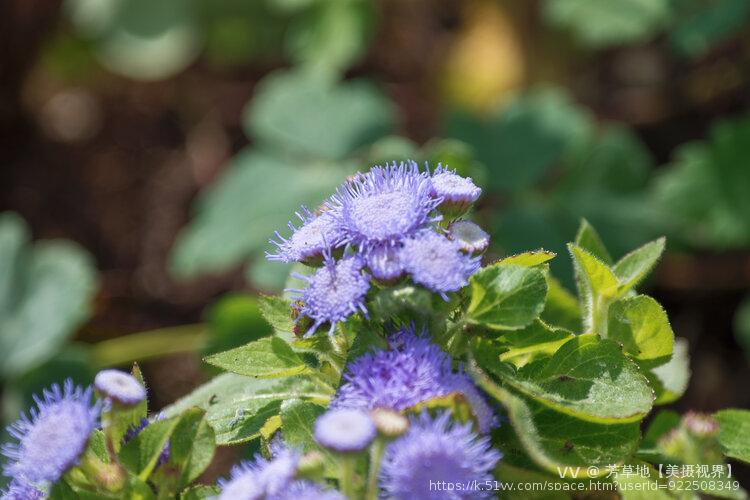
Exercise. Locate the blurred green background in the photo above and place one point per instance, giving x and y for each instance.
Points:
(149, 150)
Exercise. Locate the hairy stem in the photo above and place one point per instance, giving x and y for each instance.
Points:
(376, 456)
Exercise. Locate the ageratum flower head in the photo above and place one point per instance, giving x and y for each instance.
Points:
(412, 371)
(52, 439)
(384, 206)
(470, 237)
(271, 479)
(345, 430)
(20, 490)
(307, 490)
(456, 192)
(307, 243)
(384, 263)
(437, 263)
(120, 387)
(334, 292)
(435, 450)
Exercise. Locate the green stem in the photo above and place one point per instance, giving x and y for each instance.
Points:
(347, 475)
(376, 456)
(600, 316)
(148, 345)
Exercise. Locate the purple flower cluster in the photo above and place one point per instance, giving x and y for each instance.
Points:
(272, 480)
(412, 371)
(384, 222)
(51, 440)
(439, 451)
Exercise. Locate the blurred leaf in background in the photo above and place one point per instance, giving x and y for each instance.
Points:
(46, 290)
(235, 320)
(307, 130)
(698, 25)
(705, 192)
(603, 23)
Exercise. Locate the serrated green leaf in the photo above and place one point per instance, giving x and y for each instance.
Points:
(277, 311)
(237, 407)
(268, 357)
(535, 341)
(506, 297)
(588, 239)
(45, 294)
(670, 380)
(593, 274)
(200, 492)
(141, 454)
(734, 433)
(553, 439)
(192, 445)
(297, 420)
(640, 324)
(632, 268)
(588, 378)
(299, 112)
(528, 259)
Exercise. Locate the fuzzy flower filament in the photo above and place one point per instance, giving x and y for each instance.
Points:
(309, 242)
(434, 451)
(412, 371)
(456, 193)
(333, 293)
(52, 438)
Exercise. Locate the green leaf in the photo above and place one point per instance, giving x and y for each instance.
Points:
(236, 216)
(632, 268)
(594, 276)
(331, 35)
(520, 142)
(599, 24)
(533, 342)
(277, 311)
(588, 378)
(562, 307)
(670, 380)
(640, 324)
(268, 357)
(200, 492)
(298, 112)
(734, 433)
(192, 445)
(506, 297)
(237, 407)
(297, 418)
(45, 294)
(139, 39)
(235, 320)
(528, 259)
(699, 25)
(588, 239)
(141, 454)
(553, 439)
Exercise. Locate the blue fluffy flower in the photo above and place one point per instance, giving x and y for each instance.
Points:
(437, 263)
(120, 387)
(52, 439)
(434, 451)
(384, 206)
(384, 262)
(470, 237)
(19, 490)
(456, 193)
(307, 490)
(412, 371)
(261, 478)
(345, 430)
(334, 292)
(309, 242)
